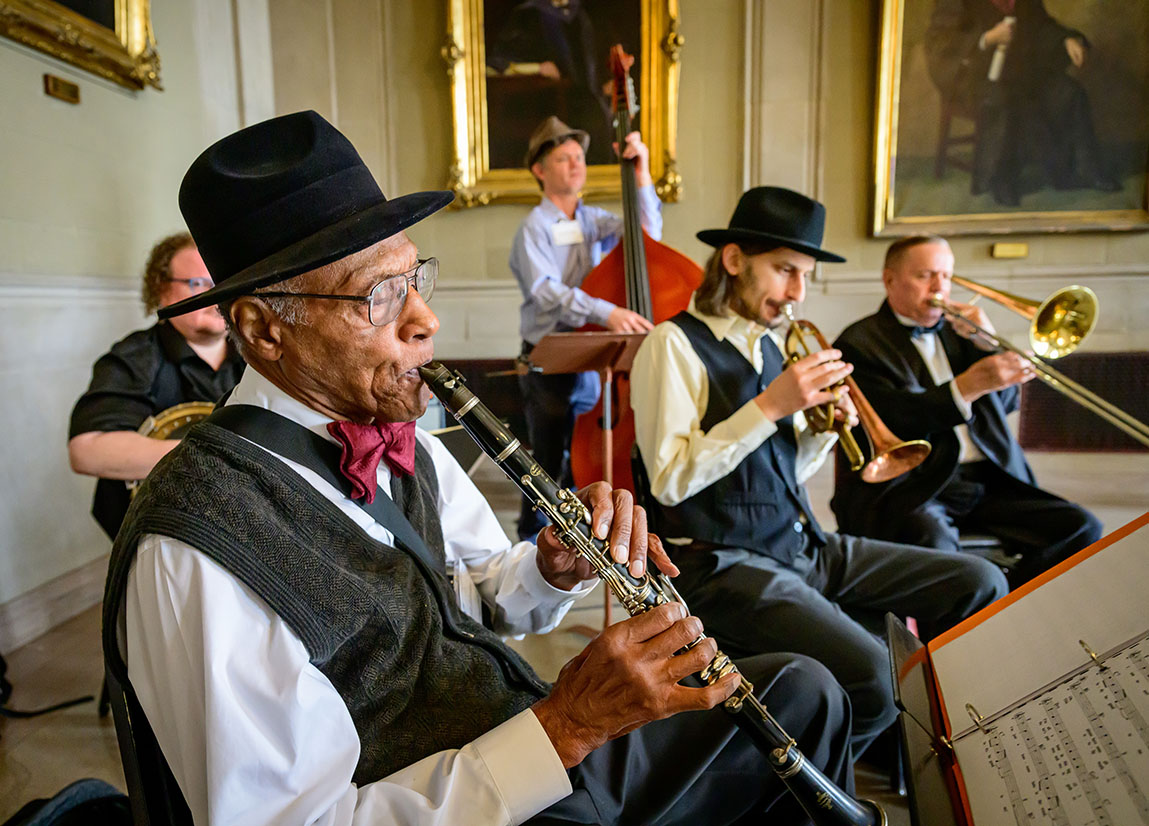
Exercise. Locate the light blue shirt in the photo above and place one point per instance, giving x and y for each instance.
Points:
(549, 274)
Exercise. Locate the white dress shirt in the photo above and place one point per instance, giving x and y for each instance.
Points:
(255, 734)
(670, 380)
(550, 268)
(938, 365)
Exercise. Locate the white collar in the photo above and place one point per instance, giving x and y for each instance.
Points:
(905, 321)
(550, 207)
(258, 391)
(729, 325)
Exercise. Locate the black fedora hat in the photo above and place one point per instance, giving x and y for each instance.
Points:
(281, 198)
(774, 214)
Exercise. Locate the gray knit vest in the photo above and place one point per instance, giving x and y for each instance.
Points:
(417, 675)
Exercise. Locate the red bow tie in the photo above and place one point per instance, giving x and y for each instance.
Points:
(365, 444)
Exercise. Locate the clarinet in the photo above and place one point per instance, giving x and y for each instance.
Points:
(824, 802)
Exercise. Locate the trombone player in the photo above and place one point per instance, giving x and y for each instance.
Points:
(931, 379)
(726, 447)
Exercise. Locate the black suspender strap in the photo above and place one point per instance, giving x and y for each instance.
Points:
(293, 441)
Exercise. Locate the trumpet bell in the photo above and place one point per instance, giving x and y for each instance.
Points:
(1062, 321)
(894, 461)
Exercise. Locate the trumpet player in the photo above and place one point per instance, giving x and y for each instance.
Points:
(726, 448)
(928, 378)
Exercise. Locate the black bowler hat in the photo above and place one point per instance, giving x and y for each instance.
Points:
(281, 198)
(773, 214)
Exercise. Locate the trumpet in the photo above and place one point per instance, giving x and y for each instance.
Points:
(891, 456)
(1057, 326)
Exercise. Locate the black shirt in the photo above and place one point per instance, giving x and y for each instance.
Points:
(142, 375)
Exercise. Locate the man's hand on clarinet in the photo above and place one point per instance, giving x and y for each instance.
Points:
(805, 383)
(616, 517)
(626, 677)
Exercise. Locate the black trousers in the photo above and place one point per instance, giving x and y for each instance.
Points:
(699, 768)
(752, 603)
(551, 403)
(983, 498)
(1048, 121)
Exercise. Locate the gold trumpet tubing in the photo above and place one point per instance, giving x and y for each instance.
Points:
(821, 417)
(892, 456)
(1057, 380)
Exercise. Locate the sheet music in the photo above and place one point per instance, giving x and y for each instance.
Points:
(1075, 754)
(1034, 640)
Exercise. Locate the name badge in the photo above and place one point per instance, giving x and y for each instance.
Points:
(565, 233)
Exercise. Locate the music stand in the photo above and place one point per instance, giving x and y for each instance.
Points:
(605, 353)
(927, 757)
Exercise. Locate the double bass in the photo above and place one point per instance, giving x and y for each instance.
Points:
(641, 274)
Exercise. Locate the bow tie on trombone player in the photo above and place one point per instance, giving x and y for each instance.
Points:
(918, 331)
(1057, 327)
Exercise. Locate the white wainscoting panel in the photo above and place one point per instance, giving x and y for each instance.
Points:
(51, 331)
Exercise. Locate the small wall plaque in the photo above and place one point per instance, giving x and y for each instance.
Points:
(1009, 250)
(62, 89)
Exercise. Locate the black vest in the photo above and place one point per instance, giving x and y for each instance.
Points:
(418, 676)
(759, 505)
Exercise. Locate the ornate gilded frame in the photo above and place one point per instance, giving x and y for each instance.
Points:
(470, 176)
(886, 221)
(126, 56)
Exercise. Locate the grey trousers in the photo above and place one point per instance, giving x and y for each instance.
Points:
(699, 768)
(751, 604)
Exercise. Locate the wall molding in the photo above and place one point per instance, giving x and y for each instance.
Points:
(29, 287)
(792, 79)
(41, 609)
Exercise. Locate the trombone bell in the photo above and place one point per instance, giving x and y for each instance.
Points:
(1057, 325)
(1063, 321)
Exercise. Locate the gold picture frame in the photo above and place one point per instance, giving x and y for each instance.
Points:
(471, 176)
(924, 164)
(125, 55)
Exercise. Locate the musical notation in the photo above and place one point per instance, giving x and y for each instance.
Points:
(1074, 754)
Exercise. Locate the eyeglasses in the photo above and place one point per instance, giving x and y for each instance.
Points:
(196, 285)
(387, 298)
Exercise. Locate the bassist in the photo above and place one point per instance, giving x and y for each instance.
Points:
(560, 241)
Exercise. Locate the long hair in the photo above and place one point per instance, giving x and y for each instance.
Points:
(713, 297)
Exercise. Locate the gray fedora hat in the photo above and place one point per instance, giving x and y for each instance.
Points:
(549, 134)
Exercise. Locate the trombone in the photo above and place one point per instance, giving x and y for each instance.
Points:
(1057, 326)
(892, 456)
